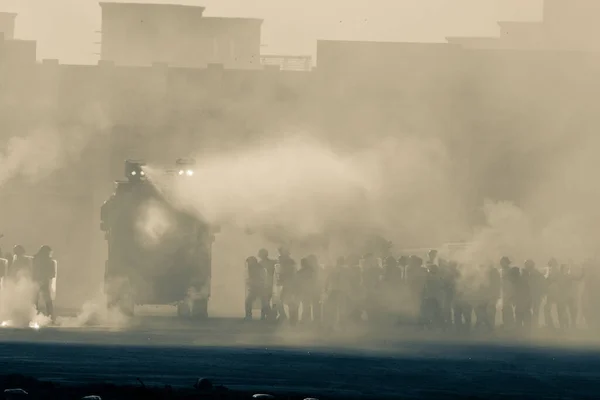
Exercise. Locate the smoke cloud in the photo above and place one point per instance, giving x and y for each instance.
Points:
(48, 147)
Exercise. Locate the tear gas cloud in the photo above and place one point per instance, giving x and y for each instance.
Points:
(299, 187)
(18, 309)
(43, 149)
(312, 197)
(300, 192)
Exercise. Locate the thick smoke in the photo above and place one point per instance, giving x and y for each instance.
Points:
(301, 193)
(42, 150)
(299, 187)
(95, 313)
(17, 309)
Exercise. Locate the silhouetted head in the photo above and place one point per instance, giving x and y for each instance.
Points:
(505, 262)
(433, 269)
(553, 263)
(403, 261)
(263, 254)
(529, 264)
(432, 254)
(44, 251)
(19, 250)
(284, 251)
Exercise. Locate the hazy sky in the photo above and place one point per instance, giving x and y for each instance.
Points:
(67, 29)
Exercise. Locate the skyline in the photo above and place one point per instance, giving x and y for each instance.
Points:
(289, 28)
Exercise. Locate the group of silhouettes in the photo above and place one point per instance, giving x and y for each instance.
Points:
(432, 294)
(24, 275)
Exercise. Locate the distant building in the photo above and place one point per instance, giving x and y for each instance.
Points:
(180, 36)
(287, 63)
(7, 25)
(566, 25)
(14, 51)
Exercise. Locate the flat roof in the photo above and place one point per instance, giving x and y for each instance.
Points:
(531, 23)
(236, 19)
(181, 7)
(380, 43)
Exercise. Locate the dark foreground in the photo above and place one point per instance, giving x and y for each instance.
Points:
(164, 360)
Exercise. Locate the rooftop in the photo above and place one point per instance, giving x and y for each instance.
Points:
(178, 7)
(520, 23)
(235, 19)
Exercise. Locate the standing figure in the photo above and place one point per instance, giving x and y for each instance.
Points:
(336, 292)
(392, 288)
(255, 284)
(522, 298)
(20, 267)
(466, 297)
(269, 267)
(416, 277)
(552, 293)
(488, 294)
(355, 294)
(566, 301)
(433, 296)
(306, 280)
(44, 271)
(508, 293)
(3, 269)
(590, 296)
(536, 285)
(372, 274)
(449, 273)
(285, 279)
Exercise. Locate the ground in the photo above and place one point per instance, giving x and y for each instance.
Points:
(253, 358)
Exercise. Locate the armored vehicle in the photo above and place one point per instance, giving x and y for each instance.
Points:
(158, 254)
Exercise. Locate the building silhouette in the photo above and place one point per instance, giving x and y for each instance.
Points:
(566, 25)
(180, 36)
(14, 51)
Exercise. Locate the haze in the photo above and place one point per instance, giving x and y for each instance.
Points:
(67, 29)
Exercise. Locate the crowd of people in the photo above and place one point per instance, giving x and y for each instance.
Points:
(434, 294)
(36, 272)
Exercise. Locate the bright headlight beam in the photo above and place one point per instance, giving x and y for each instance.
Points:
(181, 172)
(190, 172)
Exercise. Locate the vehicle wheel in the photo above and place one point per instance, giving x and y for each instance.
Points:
(119, 296)
(183, 310)
(199, 309)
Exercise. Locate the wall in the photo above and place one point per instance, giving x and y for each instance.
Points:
(572, 24)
